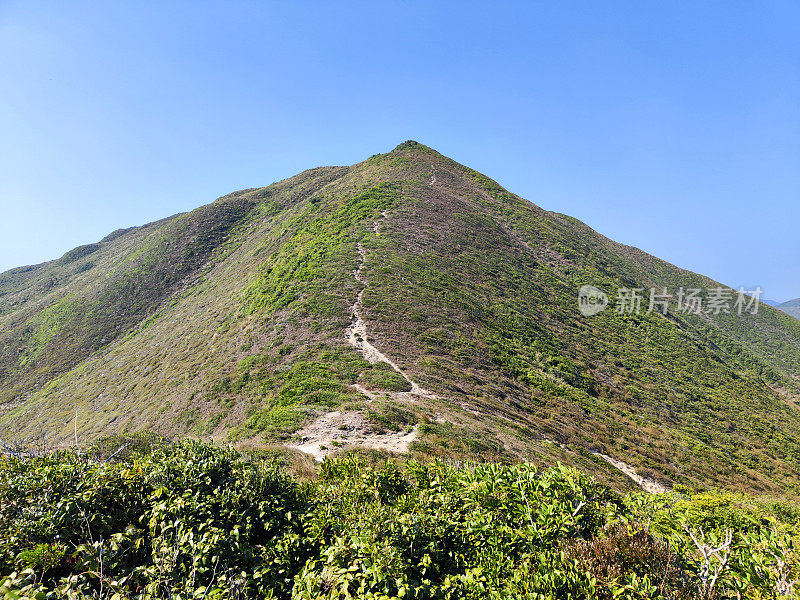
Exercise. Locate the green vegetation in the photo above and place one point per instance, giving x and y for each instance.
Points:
(189, 520)
(79, 252)
(69, 327)
(285, 395)
(390, 416)
(276, 423)
(381, 376)
(309, 263)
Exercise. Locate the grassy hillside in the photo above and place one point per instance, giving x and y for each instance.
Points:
(229, 323)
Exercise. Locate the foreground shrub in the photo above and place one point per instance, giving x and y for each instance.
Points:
(189, 520)
(188, 517)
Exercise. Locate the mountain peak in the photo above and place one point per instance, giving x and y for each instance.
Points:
(412, 146)
(407, 303)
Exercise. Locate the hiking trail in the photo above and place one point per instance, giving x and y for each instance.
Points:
(358, 337)
(646, 483)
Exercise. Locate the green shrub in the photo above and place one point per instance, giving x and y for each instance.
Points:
(385, 379)
(190, 520)
(279, 422)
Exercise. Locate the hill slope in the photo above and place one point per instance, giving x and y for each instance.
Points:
(792, 307)
(236, 321)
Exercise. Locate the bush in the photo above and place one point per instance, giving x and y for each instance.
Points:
(192, 520)
(186, 517)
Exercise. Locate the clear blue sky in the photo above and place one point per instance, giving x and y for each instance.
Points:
(671, 126)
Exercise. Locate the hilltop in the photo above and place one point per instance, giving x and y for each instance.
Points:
(408, 303)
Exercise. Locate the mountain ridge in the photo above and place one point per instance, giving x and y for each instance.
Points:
(228, 322)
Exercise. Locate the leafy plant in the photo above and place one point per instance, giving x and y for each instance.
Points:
(180, 520)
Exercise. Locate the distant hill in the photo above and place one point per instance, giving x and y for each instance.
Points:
(791, 307)
(236, 322)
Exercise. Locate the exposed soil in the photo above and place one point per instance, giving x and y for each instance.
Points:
(646, 483)
(340, 429)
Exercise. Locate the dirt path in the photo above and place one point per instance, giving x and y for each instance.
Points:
(648, 485)
(376, 225)
(339, 429)
(335, 430)
(357, 335)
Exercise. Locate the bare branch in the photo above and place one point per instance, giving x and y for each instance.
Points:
(117, 451)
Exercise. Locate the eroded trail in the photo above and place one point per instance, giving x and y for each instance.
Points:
(358, 337)
(647, 484)
(339, 429)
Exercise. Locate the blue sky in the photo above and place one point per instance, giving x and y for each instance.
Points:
(671, 126)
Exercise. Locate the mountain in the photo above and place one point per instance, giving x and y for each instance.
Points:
(792, 307)
(408, 303)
